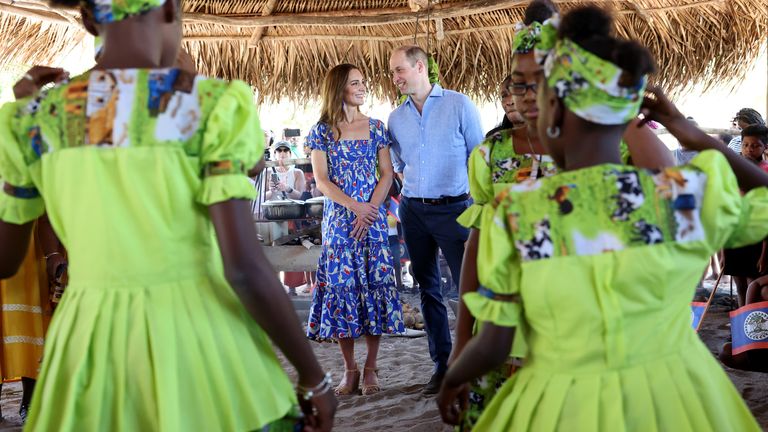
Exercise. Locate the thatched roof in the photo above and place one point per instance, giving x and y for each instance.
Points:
(284, 47)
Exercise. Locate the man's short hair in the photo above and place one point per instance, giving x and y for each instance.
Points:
(414, 53)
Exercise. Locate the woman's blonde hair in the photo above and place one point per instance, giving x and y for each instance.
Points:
(332, 112)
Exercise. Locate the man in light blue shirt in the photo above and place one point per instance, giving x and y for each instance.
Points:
(433, 132)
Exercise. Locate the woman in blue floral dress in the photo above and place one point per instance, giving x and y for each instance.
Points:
(356, 293)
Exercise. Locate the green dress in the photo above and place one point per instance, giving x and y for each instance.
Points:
(596, 269)
(493, 166)
(148, 335)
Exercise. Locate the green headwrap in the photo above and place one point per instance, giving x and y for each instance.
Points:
(109, 11)
(588, 85)
(526, 37)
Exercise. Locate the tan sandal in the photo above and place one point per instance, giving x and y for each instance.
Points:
(374, 388)
(350, 387)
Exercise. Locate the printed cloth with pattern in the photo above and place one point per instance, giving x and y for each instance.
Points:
(356, 292)
(493, 166)
(110, 11)
(26, 313)
(149, 335)
(604, 262)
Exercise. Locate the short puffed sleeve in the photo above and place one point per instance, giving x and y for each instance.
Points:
(233, 142)
(480, 184)
(318, 137)
(498, 271)
(730, 219)
(20, 200)
(381, 135)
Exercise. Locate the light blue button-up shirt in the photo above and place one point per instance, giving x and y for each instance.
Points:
(431, 149)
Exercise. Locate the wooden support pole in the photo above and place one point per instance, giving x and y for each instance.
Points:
(259, 32)
(345, 38)
(339, 18)
(399, 15)
(385, 17)
(49, 16)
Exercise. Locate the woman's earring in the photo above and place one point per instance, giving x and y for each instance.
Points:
(553, 132)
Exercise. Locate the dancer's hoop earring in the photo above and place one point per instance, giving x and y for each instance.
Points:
(553, 132)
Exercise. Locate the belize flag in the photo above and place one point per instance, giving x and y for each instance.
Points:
(749, 327)
(394, 208)
(697, 311)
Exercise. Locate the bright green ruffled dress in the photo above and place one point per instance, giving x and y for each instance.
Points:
(604, 262)
(149, 335)
(493, 166)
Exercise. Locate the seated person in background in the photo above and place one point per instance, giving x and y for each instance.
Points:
(307, 194)
(743, 263)
(683, 155)
(725, 137)
(754, 139)
(283, 181)
(744, 118)
(315, 191)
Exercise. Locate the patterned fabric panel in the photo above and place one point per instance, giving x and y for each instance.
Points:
(509, 167)
(120, 108)
(603, 209)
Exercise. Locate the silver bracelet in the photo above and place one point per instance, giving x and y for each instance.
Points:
(51, 254)
(30, 78)
(308, 393)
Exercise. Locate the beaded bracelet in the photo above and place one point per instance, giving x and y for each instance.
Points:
(320, 389)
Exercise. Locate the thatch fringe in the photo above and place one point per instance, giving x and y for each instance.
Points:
(695, 41)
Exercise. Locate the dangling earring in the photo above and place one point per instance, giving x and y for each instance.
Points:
(553, 132)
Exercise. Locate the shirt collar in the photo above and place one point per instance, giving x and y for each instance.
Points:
(437, 91)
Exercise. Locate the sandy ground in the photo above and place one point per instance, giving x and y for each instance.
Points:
(404, 368)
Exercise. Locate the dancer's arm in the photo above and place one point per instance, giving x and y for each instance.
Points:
(485, 352)
(468, 282)
(658, 107)
(255, 282)
(645, 148)
(55, 254)
(15, 238)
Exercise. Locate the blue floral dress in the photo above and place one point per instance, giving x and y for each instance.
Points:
(356, 292)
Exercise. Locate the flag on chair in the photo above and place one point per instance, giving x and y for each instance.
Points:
(697, 311)
(749, 327)
(394, 208)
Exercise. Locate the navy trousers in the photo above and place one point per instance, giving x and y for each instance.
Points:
(427, 228)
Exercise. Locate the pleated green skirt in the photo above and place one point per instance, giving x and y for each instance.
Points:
(688, 391)
(180, 356)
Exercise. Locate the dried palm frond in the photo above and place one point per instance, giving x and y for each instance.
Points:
(694, 41)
